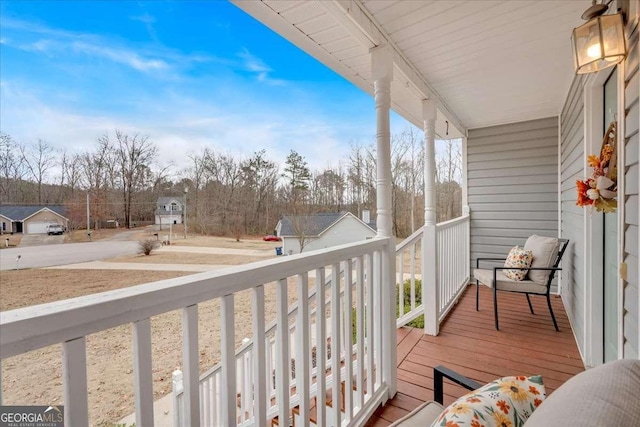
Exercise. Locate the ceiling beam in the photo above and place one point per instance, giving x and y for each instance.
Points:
(363, 26)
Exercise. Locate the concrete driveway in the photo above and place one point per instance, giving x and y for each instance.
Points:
(40, 239)
(68, 253)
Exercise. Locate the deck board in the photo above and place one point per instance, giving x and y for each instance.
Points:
(468, 343)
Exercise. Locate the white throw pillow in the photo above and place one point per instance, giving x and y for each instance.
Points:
(545, 252)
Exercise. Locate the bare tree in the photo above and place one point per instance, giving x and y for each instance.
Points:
(95, 177)
(12, 167)
(448, 170)
(197, 175)
(303, 225)
(70, 171)
(134, 154)
(38, 160)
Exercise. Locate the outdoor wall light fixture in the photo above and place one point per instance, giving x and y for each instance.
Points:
(600, 42)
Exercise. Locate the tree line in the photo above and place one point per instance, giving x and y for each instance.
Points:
(227, 194)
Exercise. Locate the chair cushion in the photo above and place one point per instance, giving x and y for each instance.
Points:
(422, 416)
(506, 401)
(517, 259)
(545, 252)
(505, 284)
(603, 396)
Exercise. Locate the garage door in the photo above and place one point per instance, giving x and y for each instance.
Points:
(37, 227)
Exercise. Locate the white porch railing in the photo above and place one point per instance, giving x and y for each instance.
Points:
(210, 380)
(452, 250)
(447, 246)
(266, 386)
(408, 252)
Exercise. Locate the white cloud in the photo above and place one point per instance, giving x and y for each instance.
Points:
(145, 18)
(257, 66)
(148, 21)
(187, 128)
(122, 56)
(229, 116)
(54, 42)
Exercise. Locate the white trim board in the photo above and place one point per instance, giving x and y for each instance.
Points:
(593, 228)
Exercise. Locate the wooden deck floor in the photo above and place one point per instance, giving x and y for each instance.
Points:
(469, 344)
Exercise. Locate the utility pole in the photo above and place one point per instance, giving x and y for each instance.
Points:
(184, 211)
(88, 218)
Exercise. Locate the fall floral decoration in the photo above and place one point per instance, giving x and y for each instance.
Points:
(600, 189)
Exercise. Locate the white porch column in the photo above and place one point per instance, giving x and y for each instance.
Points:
(382, 72)
(429, 249)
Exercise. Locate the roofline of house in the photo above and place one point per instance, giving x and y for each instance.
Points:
(45, 208)
(329, 227)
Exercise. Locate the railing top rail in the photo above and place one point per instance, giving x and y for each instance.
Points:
(415, 237)
(452, 222)
(34, 327)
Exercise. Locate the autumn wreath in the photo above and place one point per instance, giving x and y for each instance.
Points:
(600, 189)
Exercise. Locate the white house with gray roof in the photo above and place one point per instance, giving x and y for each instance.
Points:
(323, 230)
(168, 210)
(31, 219)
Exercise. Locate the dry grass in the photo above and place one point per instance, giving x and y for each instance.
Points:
(187, 258)
(79, 236)
(21, 288)
(226, 242)
(14, 240)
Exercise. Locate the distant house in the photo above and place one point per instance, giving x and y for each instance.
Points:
(323, 230)
(31, 219)
(169, 210)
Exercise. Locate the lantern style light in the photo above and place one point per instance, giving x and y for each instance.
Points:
(599, 43)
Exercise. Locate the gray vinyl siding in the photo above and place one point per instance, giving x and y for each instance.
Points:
(572, 216)
(512, 175)
(631, 318)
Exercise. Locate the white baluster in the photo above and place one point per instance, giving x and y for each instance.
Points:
(321, 348)
(190, 365)
(178, 401)
(377, 309)
(142, 372)
(216, 406)
(401, 287)
(260, 396)
(369, 322)
(335, 344)
(348, 339)
(413, 277)
(205, 394)
(302, 347)
(229, 390)
(74, 373)
(283, 362)
(360, 319)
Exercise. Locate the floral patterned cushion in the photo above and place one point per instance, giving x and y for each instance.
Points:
(505, 402)
(518, 258)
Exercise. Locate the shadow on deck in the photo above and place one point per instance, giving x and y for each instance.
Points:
(468, 343)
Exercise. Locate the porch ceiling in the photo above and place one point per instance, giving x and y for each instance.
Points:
(486, 61)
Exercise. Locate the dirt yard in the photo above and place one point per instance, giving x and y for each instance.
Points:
(36, 377)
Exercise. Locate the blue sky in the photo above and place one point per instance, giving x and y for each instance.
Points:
(187, 74)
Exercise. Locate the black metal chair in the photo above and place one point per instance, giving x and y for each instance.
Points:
(498, 282)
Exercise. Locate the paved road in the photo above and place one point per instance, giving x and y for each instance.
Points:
(68, 253)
